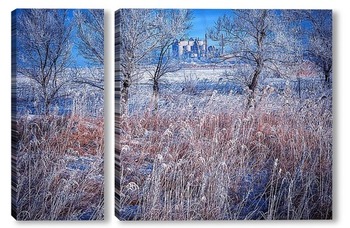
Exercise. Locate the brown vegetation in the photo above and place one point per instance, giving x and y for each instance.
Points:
(60, 168)
(267, 163)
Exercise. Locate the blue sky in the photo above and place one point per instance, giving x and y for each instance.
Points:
(80, 61)
(204, 19)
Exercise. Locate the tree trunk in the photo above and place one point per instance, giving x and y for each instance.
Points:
(254, 83)
(327, 75)
(47, 107)
(124, 107)
(155, 94)
(46, 101)
(252, 86)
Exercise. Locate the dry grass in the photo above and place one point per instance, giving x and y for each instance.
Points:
(219, 162)
(52, 184)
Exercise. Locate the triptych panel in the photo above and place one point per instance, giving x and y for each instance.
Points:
(57, 114)
(224, 114)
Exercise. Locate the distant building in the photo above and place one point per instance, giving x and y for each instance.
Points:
(192, 48)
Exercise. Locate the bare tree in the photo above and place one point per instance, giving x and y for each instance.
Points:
(169, 25)
(90, 44)
(316, 30)
(91, 33)
(258, 42)
(44, 50)
(137, 42)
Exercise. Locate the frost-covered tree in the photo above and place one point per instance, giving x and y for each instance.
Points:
(90, 31)
(43, 51)
(316, 32)
(257, 42)
(146, 36)
(137, 36)
(169, 24)
(90, 44)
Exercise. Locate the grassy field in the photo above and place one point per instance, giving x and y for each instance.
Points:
(60, 168)
(202, 155)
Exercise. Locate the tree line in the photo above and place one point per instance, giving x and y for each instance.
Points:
(256, 42)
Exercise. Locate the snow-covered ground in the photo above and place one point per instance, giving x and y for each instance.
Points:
(197, 87)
